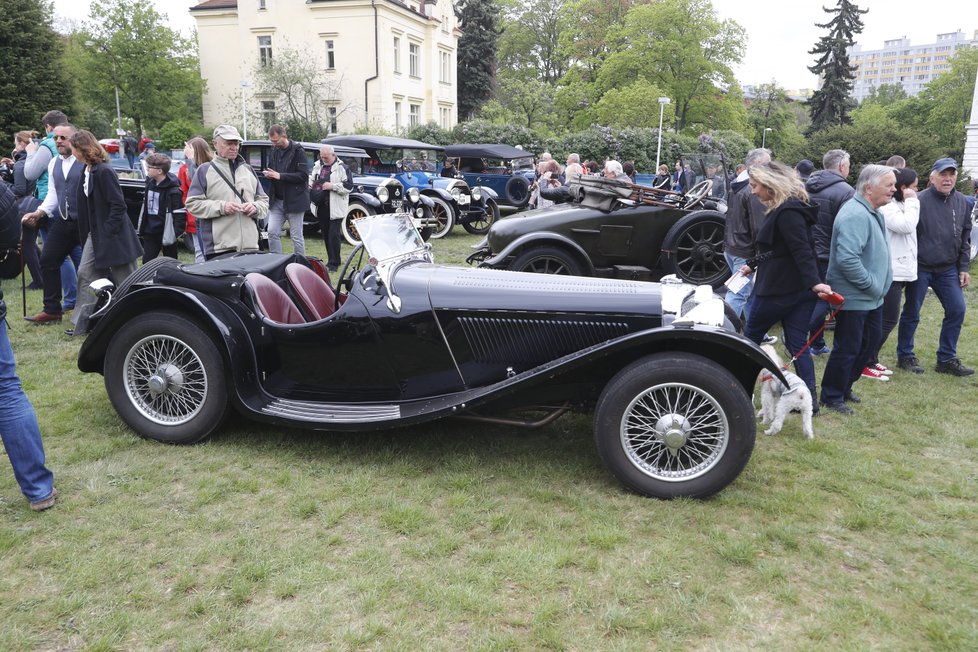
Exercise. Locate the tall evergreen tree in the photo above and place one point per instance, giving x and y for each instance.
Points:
(476, 54)
(31, 81)
(830, 104)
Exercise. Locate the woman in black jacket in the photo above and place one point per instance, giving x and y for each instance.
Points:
(787, 282)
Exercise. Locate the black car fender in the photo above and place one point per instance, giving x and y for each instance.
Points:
(487, 193)
(366, 198)
(542, 239)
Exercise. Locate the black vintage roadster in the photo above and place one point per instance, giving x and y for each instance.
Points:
(402, 340)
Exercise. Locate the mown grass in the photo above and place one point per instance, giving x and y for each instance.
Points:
(459, 536)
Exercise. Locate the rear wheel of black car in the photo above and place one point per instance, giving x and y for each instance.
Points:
(517, 191)
(354, 211)
(674, 424)
(165, 377)
(547, 260)
(481, 225)
(693, 249)
(443, 213)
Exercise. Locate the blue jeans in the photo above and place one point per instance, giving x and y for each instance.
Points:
(277, 217)
(739, 301)
(857, 336)
(793, 311)
(947, 287)
(19, 430)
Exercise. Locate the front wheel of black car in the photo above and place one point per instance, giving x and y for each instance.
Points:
(547, 260)
(674, 424)
(481, 225)
(693, 249)
(165, 378)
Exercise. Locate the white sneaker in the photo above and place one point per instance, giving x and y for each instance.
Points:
(872, 374)
(883, 370)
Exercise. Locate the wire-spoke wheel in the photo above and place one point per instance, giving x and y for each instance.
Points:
(165, 378)
(672, 425)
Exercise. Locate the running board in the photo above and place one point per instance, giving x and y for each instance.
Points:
(331, 412)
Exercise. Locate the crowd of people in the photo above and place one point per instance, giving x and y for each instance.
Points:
(807, 240)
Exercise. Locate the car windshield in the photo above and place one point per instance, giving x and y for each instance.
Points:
(390, 237)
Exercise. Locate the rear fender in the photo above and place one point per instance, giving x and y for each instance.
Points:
(542, 240)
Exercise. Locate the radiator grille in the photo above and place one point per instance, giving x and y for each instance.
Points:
(533, 341)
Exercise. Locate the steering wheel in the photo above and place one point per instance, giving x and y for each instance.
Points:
(696, 194)
(345, 278)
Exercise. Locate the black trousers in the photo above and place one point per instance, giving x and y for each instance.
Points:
(332, 236)
(62, 237)
(153, 245)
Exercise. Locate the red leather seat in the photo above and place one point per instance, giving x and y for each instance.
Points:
(314, 293)
(272, 300)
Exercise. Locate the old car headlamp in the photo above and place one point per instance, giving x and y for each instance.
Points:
(456, 193)
(419, 211)
(414, 195)
(383, 195)
(476, 193)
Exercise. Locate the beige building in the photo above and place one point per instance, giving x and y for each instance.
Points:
(381, 64)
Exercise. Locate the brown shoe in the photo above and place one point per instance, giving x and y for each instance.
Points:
(46, 503)
(43, 318)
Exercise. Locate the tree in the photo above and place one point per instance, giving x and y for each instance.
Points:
(769, 110)
(476, 55)
(630, 106)
(32, 82)
(590, 32)
(130, 48)
(885, 95)
(830, 104)
(531, 101)
(950, 96)
(869, 142)
(529, 46)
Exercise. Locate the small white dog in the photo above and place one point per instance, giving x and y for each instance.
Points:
(777, 400)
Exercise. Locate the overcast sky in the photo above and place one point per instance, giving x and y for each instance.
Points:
(780, 32)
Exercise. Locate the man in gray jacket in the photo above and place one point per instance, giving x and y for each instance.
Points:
(744, 215)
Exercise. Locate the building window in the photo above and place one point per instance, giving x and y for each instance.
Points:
(330, 55)
(268, 113)
(331, 112)
(397, 54)
(397, 116)
(265, 50)
(261, 4)
(414, 60)
(445, 70)
(414, 117)
(446, 118)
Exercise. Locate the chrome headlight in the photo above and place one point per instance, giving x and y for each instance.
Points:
(383, 195)
(414, 195)
(476, 193)
(419, 211)
(456, 193)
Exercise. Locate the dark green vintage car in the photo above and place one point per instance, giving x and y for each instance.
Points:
(615, 229)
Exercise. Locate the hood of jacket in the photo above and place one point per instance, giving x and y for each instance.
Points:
(823, 179)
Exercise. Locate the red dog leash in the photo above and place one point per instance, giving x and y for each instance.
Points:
(834, 299)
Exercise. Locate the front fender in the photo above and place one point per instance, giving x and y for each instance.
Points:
(487, 193)
(540, 239)
(441, 193)
(364, 198)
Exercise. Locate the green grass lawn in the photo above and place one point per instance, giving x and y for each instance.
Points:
(452, 536)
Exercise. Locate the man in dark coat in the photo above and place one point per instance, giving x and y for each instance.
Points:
(288, 198)
(744, 216)
(828, 191)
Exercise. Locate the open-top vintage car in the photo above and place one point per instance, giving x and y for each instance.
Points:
(509, 171)
(417, 165)
(615, 229)
(402, 340)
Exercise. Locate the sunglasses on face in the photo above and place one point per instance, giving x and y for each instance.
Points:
(61, 137)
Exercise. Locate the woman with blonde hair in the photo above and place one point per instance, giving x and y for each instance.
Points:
(787, 282)
(196, 152)
(111, 246)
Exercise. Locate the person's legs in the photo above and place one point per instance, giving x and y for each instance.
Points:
(151, 247)
(891, 316)
(738, 300)
(819, 311)
(795, 326)
(276, 217)
(947, 287)
(58, 243)
(171, 250)
(86, 298)
(910, 317)
(871, 333)
(333, 245)
(19, 429)
(69, 273)
(295, 231)
(836, 383)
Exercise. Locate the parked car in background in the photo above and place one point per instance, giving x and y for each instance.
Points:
(615, 229)
(133, 182)
(508, 170)
(417, 165)
(111, 145)
(400, 340)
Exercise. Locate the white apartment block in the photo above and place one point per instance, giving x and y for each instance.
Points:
(910, 66)
(387, 64)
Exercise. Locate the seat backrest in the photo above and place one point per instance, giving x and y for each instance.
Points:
(272, 300)
(314, 293)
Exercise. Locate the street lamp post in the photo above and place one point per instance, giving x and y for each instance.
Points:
(764, 137)
(115, 81)
(658, 150)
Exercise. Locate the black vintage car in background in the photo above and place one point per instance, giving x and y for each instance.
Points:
(615, 229)
(400, 340)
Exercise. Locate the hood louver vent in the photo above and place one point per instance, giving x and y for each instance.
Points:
(533, 341)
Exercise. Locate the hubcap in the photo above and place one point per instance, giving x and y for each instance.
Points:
(165, 380)
(674, 432)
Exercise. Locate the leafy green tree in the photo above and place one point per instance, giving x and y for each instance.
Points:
(176, 132)
(32, 81)
(632, 106)
(156, 70)
(529, 46)
(950, 96)
(430, 132)
(531, 100)
(885, 95)
(477, 49)
(869, 142)
(482, 131)
(591, 30)
(830, 105)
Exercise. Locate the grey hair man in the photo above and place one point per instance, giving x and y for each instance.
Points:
(331, 182)
(943, 261)
(744, 215)
(613, 170)
(573, 158)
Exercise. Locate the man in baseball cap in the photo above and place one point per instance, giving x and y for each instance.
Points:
(943, 260)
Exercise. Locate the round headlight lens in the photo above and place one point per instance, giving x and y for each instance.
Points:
(476, 193)
(419, 211)
(456, 193)
(382, 194)
(414, 195)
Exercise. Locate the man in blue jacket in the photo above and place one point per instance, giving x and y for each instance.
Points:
(943, 260)
(859, 269)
